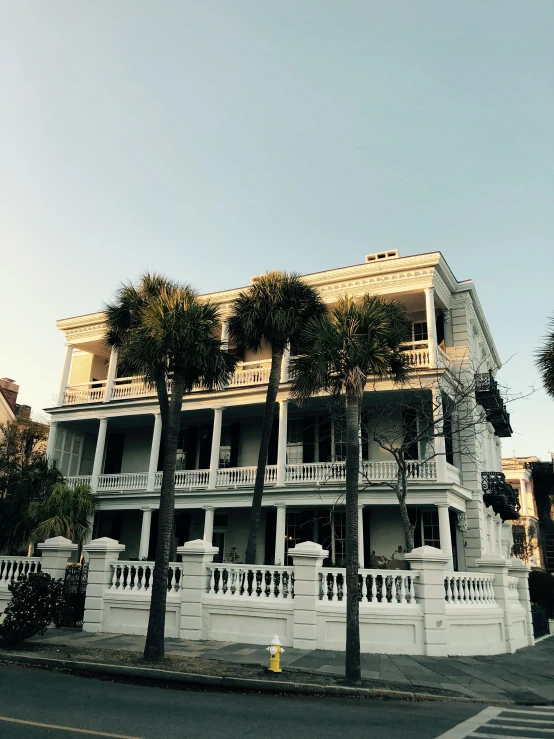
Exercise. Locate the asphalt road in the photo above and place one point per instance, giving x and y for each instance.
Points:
(43, 702)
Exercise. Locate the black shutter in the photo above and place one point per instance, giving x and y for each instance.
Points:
(273, 439)
(365, 436)
(235, 438)
(308, 439)
(270, 530)
(205, 447)
(114, 454)
(191, 442)
(409, 424)
(325, 452)
(440, 328)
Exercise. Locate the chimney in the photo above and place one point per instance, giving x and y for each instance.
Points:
(9, 390)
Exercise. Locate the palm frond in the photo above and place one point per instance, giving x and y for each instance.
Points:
(544, 359)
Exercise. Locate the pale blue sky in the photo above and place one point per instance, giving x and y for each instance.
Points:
(215, 140)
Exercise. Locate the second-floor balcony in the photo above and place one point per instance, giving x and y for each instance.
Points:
(247, 374)
(318, 474)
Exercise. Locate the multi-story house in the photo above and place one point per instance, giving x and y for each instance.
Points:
(106, 431)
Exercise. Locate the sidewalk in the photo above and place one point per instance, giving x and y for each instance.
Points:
(526, 676)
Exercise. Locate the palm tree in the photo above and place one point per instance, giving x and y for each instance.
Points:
(545, 359)
(271, 311)
(163, 331)
(356, 339)
(67, 511)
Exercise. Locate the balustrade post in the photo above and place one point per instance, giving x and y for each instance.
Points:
(282, 442)
(517, 568)
(154, 453)
(280, 530)
(498, 566)
(99, 454)
(55, 554)
(216, 442)
(307, 560)
(112, 369)
(431, 325)
(196, 556)
(101, 554)
(430, 594)
(65, 374)
(209, 512)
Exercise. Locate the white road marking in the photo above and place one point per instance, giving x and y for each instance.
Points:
(486, 723)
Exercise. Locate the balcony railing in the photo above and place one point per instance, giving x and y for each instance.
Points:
(488, 396)
(315, 473)
(247, 374)
(500, 495)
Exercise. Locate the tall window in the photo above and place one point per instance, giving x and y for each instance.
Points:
(430, 523)
(419, 331)
(295, 432)
(225, 446)
(339, 439)
(68, 451)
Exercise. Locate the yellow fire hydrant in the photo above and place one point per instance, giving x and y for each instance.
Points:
(275, 650)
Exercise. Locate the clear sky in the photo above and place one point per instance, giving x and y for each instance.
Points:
(215, 140)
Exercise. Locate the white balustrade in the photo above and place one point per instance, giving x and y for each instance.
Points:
(376, 587)
(123, 481)
(318, 472)
(190, 478)
(14, 568)
(131, 387)
(417, 353)
(331, 472)
(513, 589)
(71, 482)
(236, 476)
(469, 588)
(136, 577)
(86, 392)
(251, 373)
(250, 581)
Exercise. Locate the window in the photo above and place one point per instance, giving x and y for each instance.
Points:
(225, 446)
(430, 523)
(295, 433)
(519, 540)
(339, 439)
(68, 451)
(419, 331)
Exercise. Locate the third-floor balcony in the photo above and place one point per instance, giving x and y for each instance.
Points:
(247, 374)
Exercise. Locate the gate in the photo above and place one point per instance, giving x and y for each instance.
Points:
(540, 621)
(75, 588)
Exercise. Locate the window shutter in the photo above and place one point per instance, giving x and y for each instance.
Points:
(308, 439)
(273, 439)
(235, 439)
(325, 453)
(191, 442)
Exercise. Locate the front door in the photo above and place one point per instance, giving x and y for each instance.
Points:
(218, 540)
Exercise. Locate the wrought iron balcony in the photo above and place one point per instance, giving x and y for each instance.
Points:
(488, 396)
(501, 496)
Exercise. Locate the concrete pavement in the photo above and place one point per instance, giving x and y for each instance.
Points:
(524, 677)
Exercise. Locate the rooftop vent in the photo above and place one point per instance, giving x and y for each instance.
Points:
(382, 255)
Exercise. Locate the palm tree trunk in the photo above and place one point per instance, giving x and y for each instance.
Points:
(352, 665)
(154, 648)
(269, 410)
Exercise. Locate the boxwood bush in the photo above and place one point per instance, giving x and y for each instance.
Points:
(37, 600)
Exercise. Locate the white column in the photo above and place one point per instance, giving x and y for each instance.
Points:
(65, 373)
(208, 523)
(51, 446)
(225, 335)
(145, 533)
(439, 441)
(431, 325)
(285, 364)
(99, 453)
(282, 442)
(216, 441)
(522, 495)
(112, 369)
(154, 452)
(361, 536)
(280, 534)
(444, 533)
(499, 537)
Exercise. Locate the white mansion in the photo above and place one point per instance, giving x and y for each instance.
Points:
(106, 431)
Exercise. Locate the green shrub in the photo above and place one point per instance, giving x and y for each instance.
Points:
(541, 590)
(36, 602)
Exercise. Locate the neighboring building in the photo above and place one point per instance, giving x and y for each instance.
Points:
(533, 533)
(10, 409)
(106, 430)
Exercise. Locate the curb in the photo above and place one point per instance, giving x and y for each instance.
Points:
(234, 683)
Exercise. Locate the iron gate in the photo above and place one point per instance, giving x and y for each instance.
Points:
(540, 621)
(75, 588)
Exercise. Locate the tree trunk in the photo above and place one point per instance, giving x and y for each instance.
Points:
(401, 492)
(154, 648)
(352, 665)
(269, 410)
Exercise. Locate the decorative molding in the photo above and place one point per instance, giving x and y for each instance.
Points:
(462, 521)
